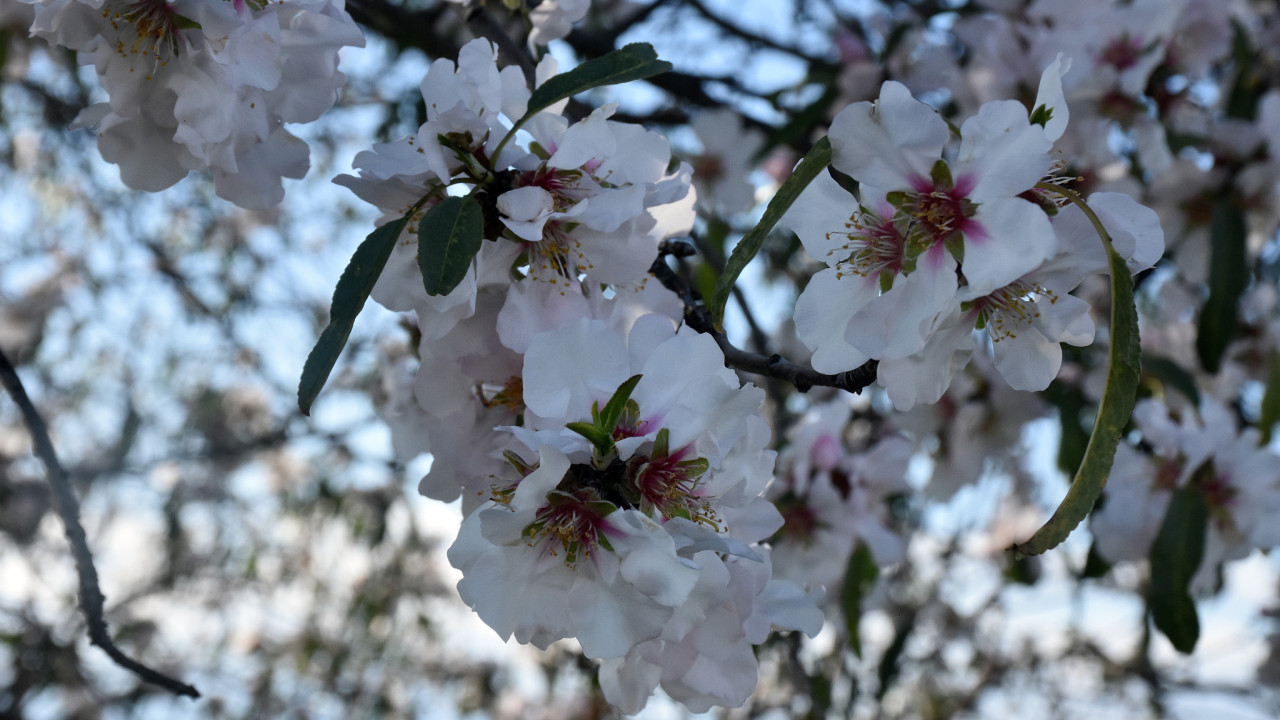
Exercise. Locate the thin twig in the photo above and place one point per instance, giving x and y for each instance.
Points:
(759, 340)
(91, 600)
(698, 317)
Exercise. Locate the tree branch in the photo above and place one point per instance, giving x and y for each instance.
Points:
(91, 600)
(698, 317)
(747, 36)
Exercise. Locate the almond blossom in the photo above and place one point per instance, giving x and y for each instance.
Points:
(591, 199)
(1236, 478)
(634, 541)
(929, 231)
(205, 84)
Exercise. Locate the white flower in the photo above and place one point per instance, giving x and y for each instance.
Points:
(625, 545)
(712, 664)
(1238, 481)
(584, 203)
(929, 230)
(553, 19)
(205, 84)
(728, 156)
(558, 561)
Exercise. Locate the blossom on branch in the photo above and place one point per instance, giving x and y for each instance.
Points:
(205, 84)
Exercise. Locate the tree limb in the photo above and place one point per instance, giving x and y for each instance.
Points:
(91, 600)
(698, 317)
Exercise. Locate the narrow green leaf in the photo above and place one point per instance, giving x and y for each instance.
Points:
(598, 438)
(348, 299)
(1270, 414)
(1228, 276)
(617, 404)
(636, 61)
(1175, 557)
(802, 122)
(812, 164)
(449, 236)
(859, 577)
(887, 670)
(1118, 398)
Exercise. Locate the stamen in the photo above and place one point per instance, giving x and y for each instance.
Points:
(1006, 311)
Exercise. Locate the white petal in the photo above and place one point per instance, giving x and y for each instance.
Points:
(820, 216)
(1016, 237)
(892, 144)
(823, 312)
(1050, 95)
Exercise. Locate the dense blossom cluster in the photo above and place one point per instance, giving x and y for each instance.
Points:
(205, 84)
(644, 547)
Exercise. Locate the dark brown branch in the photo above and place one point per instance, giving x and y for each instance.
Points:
(698, 317)
(406, 27)
(91, 600)
(749, 37)
(758, 339)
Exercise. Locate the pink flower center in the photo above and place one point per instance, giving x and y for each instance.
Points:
(573, 524)
(1122, 52)
(669, 486)
(874, 246)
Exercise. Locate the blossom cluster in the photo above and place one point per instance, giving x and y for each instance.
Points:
(1202, 449)
(943, 239)
(205, 85)
(611, 468)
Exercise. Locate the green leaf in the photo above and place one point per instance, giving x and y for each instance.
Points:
(1270, 413)
(812, 164)
(185, 23)
(1173, 375)
(802, 121)
(601, 440)
(1175, 557)
(859, 577)
(449, 236)
(1041, 115)
(941, 176)
(1118, 398)
(1070, 400)
(887, 670)
(617, 404)
(1095, 566)
(348, 299)
(636, 61)
(1228, 276)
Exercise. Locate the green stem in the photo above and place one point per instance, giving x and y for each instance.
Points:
(497, 152)
(1079, 202)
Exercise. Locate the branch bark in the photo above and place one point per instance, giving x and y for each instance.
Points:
(698, 317)
(91, 600)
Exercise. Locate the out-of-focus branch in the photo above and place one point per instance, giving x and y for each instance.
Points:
(745, 35)
(698, 317)
(486, 26)
(91, 600)
(406, 27)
